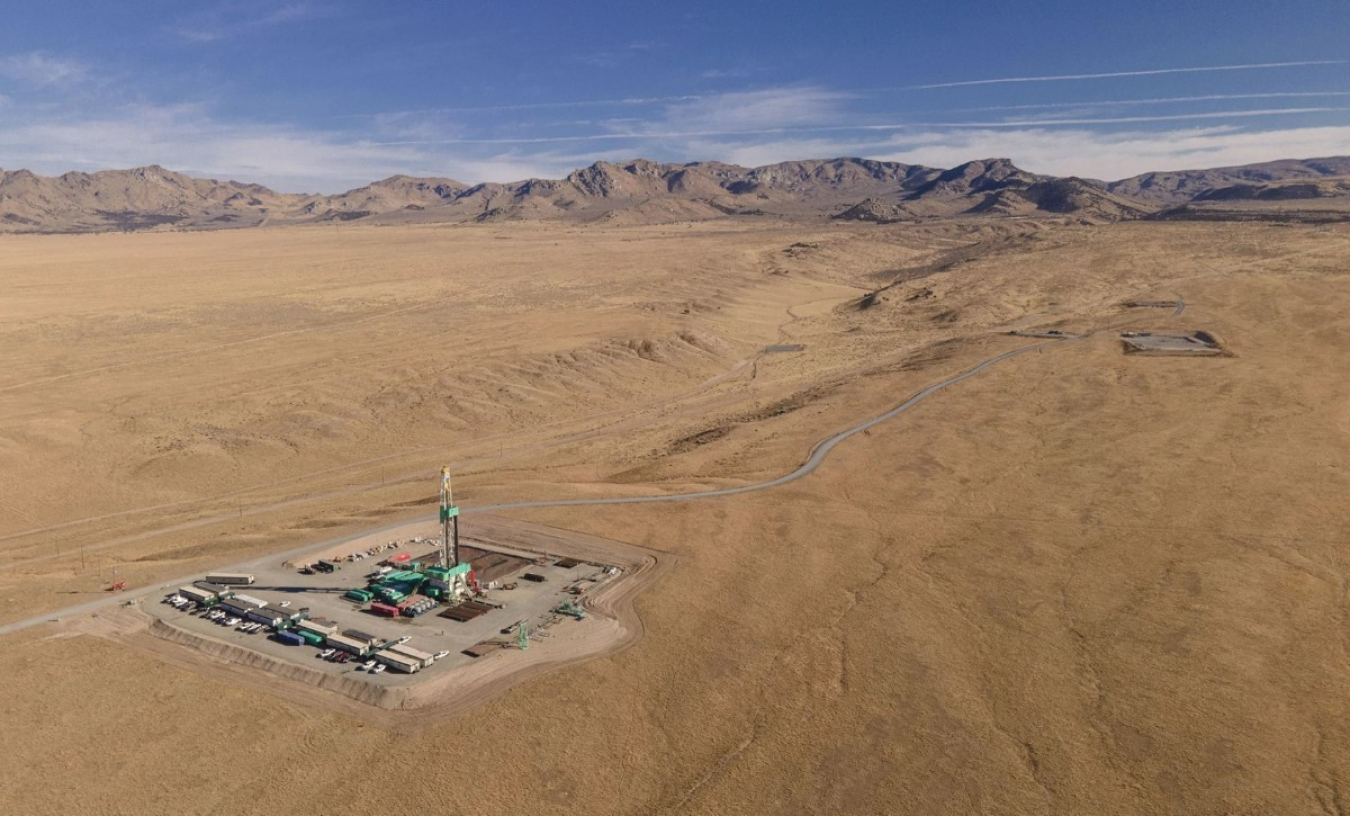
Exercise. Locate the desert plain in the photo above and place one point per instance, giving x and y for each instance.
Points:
(1079, 581)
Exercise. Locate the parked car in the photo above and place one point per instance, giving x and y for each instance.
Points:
(284, 604)
(377, 669)
(368, 665)
(327, 653)
(404, 639)
(440, 655)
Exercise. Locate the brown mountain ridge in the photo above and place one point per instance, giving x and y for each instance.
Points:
(643, 191)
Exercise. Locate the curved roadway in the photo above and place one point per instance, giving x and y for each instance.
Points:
(817, 456)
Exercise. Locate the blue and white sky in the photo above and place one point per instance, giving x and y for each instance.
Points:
(308, 95)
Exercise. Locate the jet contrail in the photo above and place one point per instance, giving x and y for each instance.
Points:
(1111, 75)
(1023, 123)
(1159, 100)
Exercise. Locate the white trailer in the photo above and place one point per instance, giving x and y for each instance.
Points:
(229, 578)
(398, 662)
(413, 654)
(198, 595)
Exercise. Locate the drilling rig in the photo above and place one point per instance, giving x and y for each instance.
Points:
(449, 522)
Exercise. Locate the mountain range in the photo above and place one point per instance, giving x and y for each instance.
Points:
(642, 191)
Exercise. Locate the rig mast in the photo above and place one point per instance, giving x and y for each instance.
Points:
(449, 522)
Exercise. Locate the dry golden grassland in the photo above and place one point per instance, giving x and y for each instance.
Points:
(1078, 582)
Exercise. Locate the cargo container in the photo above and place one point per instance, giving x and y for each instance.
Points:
(230, 578)
(312, 638)
(384, 609)
(289, 638)
(359, 595)
(398, 662)
(425, 658)
(346, 644)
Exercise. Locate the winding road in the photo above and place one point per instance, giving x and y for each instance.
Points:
(817, 456)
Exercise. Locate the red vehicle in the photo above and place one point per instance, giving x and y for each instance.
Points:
(118, 587)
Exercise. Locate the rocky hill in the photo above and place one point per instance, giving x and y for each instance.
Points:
(1186, 185)
(643, 191)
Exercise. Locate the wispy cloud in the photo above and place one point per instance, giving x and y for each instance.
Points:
(232, 19)
(40, 70)
(1164, 100)
(1116, 155)
(1251, 66)
(741, 123)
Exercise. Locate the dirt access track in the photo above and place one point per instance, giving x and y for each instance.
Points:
(611, 626)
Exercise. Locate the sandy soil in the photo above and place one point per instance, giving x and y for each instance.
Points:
(1081, 582)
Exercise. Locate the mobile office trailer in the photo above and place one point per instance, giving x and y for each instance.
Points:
(230, 578)
(198, 595)
(256, 603)
(361, 637)
(346, 644)
(398, 662)
(318, 627)
(270, 617)
(412, 654)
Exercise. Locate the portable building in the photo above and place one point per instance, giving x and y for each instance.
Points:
(257, 603)
(236, 607)
(207, 586)
(346, 644)
(271, 617)
(199, 595)
(409, 652)
(358, 635)
(398, 662)
(230, 578)
(318, 626)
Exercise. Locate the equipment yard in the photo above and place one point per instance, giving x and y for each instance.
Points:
(320, 596)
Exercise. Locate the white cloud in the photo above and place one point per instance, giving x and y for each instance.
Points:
(1115, 155)
(749, 110)
(231, 19)
(41, 70)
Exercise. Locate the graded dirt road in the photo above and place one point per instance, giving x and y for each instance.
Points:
(1077, 582)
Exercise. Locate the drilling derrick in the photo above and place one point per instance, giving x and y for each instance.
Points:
(449, 522)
